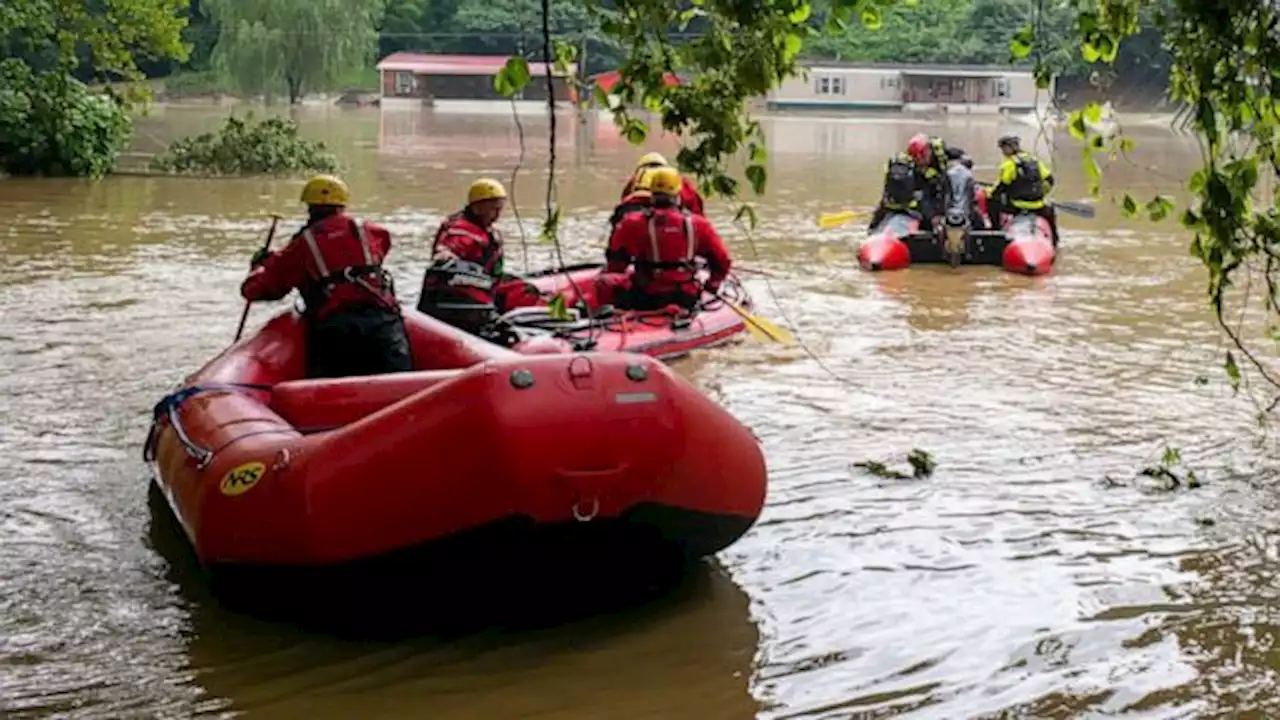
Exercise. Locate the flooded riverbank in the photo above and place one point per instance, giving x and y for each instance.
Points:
(1012, 580)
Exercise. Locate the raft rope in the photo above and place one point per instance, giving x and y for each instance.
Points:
(167, 408)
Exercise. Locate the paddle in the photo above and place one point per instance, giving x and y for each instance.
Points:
(827, 221)
(753, 271)
(244, 316)
(1078, 209)
(760, 328)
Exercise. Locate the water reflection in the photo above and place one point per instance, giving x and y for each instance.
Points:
(680, 650)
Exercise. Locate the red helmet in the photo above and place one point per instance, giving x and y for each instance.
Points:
(918, 148)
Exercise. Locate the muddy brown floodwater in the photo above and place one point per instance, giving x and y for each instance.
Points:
(1012, 583)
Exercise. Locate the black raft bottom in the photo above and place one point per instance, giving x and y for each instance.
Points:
(511, 573)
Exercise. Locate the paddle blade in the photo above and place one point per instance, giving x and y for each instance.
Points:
(1077, 209)
(826, 221)
(762, 329)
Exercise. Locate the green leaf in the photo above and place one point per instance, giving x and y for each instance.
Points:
(556, 309)
(1171, 457)
(1092, 113)
(871, 17)
(1075, 124)
(800, 14)
(1092, 172)
(793, 46)
(1129, 207)
(1089, 52)
(1159, 207)
(513, 77)
(1233, 371)
(757, 153)
(757, 176)
(1021, 42)
(636, 131)
(747, 213)
(1126, 145)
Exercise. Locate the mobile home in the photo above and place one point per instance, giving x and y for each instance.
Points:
(964, 89)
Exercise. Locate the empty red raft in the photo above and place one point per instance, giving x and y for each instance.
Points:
(264, 468)
(664, 334)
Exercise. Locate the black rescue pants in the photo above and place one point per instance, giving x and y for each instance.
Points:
(366, 340)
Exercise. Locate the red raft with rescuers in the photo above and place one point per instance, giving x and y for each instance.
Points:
(263, 467)
(665, 333)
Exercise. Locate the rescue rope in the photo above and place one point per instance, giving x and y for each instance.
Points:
(167, 408)
(750, 235)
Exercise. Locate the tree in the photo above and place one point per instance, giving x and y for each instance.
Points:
(297, 46)
(50, 123)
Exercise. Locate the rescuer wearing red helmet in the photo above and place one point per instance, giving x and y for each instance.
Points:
(931, 156)
(663, 242)
(353, 320)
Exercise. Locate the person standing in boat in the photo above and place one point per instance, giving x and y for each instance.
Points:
(1023, 182)
(353, 320)
(932, 155)
(465, 284)
(903, 185)
(689, 197)
(662, 242)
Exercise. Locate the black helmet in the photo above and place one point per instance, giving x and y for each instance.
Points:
(1009, 140)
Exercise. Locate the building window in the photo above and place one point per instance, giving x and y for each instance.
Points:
(889, 83)
(404, 83)
(1002, 88)
(830, 86)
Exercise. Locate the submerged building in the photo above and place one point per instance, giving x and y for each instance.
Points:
(965, 89)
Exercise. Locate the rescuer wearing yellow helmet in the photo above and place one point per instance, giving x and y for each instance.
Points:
(465, 285)
(663, 241)
(689, 196)
(353, 320)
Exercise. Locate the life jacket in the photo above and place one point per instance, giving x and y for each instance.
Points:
(1027, 185)
(900, 182)
(653, 270)
(325, 279)
(476, 269)
(633, 202)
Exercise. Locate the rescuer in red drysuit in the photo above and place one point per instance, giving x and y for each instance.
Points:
(465, 285)
(689, 197)
(353, 321)
(663, 242)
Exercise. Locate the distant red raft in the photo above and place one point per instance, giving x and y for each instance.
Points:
(263, 468)
(662, 333)
(1025, 246)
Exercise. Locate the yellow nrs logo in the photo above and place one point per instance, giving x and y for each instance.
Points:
(241, 479)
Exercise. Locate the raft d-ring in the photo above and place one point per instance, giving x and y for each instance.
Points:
(203, 460)
(590, 514)
(281, 461)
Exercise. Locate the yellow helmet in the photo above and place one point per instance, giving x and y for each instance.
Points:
(485, 189)
(664, 181)
(325, 190)
(652, 159)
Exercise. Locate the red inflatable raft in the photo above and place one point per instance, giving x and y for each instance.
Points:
(664, 334)
(264, 468)
(1030, 248)
(1025, 245)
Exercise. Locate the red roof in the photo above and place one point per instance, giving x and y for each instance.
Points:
(422, 64)
(606, 80)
